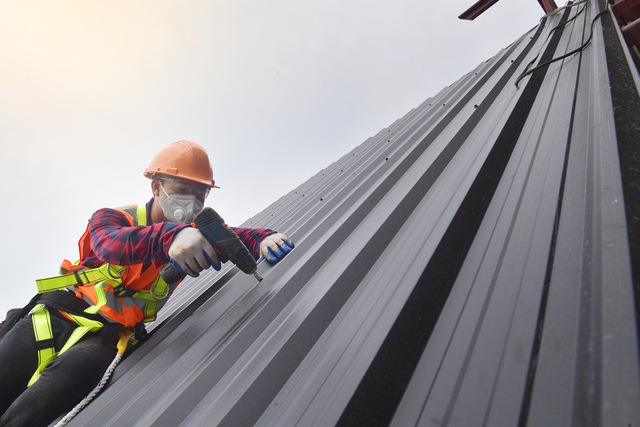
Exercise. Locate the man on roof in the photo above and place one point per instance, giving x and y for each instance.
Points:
(55, 350)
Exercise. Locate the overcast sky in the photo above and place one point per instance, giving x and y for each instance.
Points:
(275, 91)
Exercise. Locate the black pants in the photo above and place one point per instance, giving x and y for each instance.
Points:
(64, 382)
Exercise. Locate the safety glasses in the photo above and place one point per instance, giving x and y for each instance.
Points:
(182, 186)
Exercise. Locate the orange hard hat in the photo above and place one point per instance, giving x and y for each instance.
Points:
(182, 159)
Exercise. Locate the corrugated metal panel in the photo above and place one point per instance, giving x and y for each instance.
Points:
(468, 265)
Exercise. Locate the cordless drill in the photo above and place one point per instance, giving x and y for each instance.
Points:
(221, 237)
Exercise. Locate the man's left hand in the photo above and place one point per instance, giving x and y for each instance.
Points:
(275, 247)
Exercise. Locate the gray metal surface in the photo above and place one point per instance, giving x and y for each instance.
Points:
(471, 264)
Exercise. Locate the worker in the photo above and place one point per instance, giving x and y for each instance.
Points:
(56, 349)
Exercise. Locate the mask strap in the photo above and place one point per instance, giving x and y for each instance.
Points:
(165, 191)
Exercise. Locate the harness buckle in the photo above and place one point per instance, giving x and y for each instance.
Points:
(76, 274)
(153, 288)
(110, 274)
(121, 290)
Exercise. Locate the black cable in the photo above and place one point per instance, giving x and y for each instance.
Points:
(579, 49)
(526, 69)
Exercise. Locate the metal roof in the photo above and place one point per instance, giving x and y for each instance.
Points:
(471, 264)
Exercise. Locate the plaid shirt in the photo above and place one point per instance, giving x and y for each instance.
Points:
(113, 240)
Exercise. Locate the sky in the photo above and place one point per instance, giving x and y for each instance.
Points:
(275, 91)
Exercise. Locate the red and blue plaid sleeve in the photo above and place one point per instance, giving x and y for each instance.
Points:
(114, 241)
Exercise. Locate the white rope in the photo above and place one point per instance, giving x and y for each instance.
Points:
(93, 393)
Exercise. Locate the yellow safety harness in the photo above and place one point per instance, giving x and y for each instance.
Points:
(106, 274)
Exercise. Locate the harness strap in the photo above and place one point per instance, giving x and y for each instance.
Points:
(159, 291)
(103, 273)
(44, 336)
(84, 325)
(100, 302)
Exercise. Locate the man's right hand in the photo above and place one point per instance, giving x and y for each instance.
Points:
(191, 253)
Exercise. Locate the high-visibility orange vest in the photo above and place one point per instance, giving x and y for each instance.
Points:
(122, 294)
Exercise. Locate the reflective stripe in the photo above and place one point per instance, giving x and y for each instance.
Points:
(137, 213)
(141, 214)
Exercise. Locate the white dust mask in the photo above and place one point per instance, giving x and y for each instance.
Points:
(180, 208)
